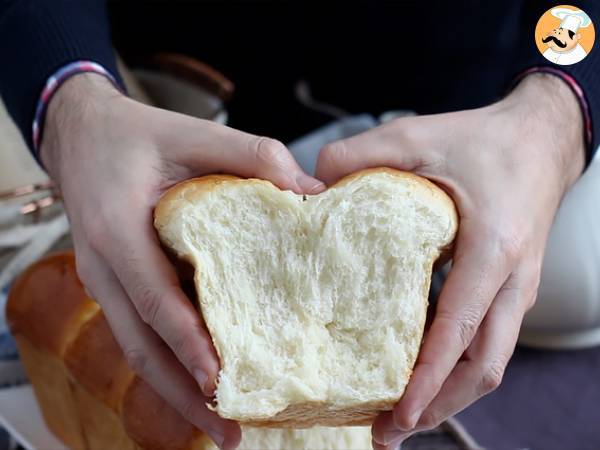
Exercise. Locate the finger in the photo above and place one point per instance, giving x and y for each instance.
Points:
(269, 159)
(483, 367)
(378, 446)
(387, 145)
(151, 283)
(392, 445)
(152, 360)
(479, 270)
(226, 150)
(384, 430)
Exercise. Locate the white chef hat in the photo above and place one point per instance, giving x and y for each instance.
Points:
(572, 19)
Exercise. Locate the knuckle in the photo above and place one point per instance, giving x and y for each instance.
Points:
(84, 269)
(403, 130)
(84, 272)
(491, 377)
(531, 293)
(530, 301)
(503, 240)
(183, 345)
(431, 420)
(333, 152)
(533, 284)
(270, 150)
(95, 233)
(148, 303)
(510, 244)
(136, 359)
(525, 283)
(180, 345)
(466, 323)
(189, 409)
(467, 326)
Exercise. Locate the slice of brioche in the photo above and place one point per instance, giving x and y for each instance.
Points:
(316, 305)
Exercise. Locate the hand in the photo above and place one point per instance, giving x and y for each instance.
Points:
(507, 167)
(113, 158)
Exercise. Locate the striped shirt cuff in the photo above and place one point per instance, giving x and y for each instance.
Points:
(52, 85)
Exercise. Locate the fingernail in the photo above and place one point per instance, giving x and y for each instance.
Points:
(400, 424)
(406, 426)
(201, 379)
(217, 437)
(309, 185)
(390, 436)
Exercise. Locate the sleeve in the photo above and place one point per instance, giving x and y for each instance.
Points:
(583, 77)
(37, 38)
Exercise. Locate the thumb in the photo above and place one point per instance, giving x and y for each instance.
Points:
(308, 184)
(384, 146)
(271, 160)
(213, 148)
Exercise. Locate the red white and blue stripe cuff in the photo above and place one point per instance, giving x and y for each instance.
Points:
(52, 85)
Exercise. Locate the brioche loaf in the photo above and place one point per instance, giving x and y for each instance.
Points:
(316, 304)
(45, 310)
(89, 397)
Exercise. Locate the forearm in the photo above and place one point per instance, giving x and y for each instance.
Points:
(550, 114)
(74, 104)
(38, 37)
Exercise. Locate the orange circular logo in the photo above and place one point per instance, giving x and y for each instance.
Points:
(564, 35)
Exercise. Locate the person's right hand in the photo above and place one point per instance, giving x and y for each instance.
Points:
(112, 158)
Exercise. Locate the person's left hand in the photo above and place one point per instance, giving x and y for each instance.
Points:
(506, 166)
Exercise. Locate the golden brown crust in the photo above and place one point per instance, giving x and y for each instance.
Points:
(50, 325)
(53, 391)
(102, 426)
(194, 188)
(309, 414)
(152, 423)
(96, 361)
(190, 190)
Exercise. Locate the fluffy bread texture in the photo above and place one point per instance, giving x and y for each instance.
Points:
(316, 304)
(317, 438)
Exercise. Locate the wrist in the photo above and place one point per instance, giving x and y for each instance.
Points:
(548, 116)
(71, 109)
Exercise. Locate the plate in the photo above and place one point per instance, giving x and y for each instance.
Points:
(21, 417)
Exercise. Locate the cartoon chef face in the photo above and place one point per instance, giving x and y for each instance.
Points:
(561, 43)
(561, 39)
